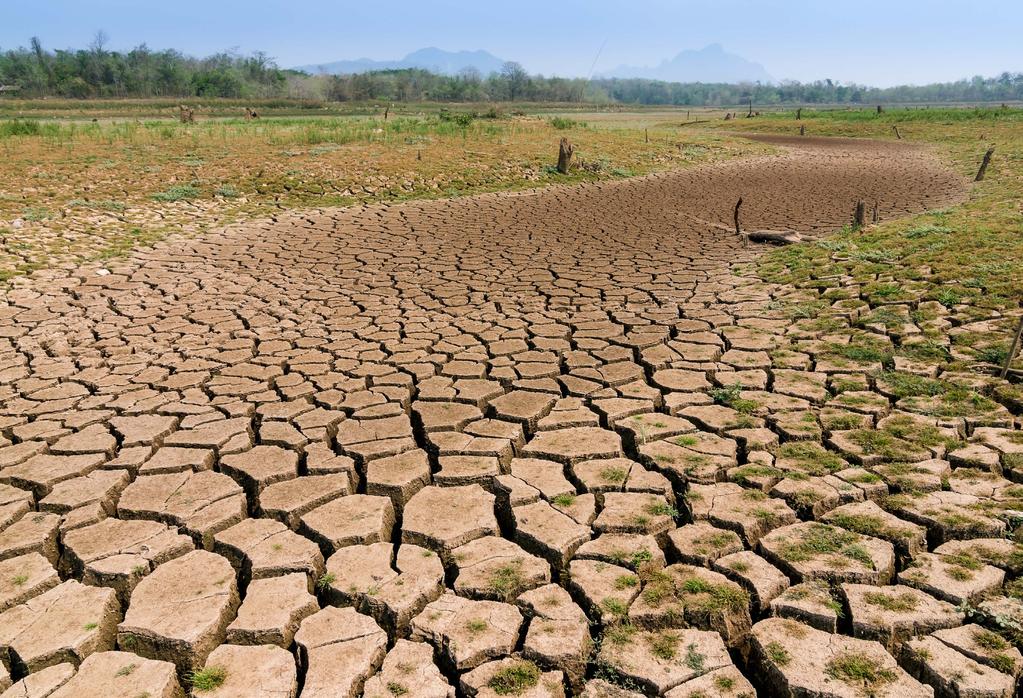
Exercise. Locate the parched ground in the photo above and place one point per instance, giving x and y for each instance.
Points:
(546, 443)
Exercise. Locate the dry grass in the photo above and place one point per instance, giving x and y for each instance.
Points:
(73, 189)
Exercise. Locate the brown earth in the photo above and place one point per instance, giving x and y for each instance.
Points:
(366, 352)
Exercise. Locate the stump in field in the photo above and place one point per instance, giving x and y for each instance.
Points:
(983, 165)
(860, 214)
(565, 150)
(735, 216)
(802, 130)
(880, 109)
(874, 216)
(250, 114)
(186, 114)
(728, 116)
(799, 114)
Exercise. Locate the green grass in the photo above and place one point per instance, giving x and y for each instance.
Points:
(777, 653)
(515, 679)
(820, 539)
(899, 603)
(858, 669)
(208, 679)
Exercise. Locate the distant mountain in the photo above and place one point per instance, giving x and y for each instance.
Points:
(709, 64)
(432, 59)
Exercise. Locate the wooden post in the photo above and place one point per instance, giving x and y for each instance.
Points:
(750, 115)
(880, 110)
(984, 163)
(897, 134)
(802, 129)
(387, 110)
(419, 155)
(565, 150)
(874, 216)
(687, 115)
(799, 114)
(735, 216)
(860, 214)
(646, 135)
(1012, 349)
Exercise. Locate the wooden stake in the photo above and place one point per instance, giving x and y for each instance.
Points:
(897, 134)
(880, 109)
(750, 115)
(419, 155)
(1012, 349)
(387, 110)
(984, 163)
(565, 150)
(735, 216)
(646, 134)
(799, 114)
(874, 216)
(802, 129)
(860, 214)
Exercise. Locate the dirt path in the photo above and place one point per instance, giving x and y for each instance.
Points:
(495, 379)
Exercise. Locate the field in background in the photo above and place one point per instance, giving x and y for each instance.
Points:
(74, 188)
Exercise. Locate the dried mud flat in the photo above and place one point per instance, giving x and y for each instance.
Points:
(542, 444)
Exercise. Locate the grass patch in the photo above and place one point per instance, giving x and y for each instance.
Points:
(515, 679)
(208, 679)
(858, 669)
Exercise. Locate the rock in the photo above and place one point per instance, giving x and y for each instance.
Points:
(984, 646)
(260, 467)
(818, 551)
(569, 446)
(727, 682)
(468, 633)
(262, 670)
(558, 632)
(444, 518)
(661, 660)
(180, 612)
(409, 670)
(203, 503)
(495, 568)
(24, 577)
(543, 530)
(953, 674)
(288, 500)
(357, 519)
(701, 544)
(121, 675)
(956, 579)
(32, 533)
(261, 548)
(65, 624)
(891, 614)
(511, 676)
(749, 513)
(810, 603)
(272, 611)
(605, 590)
(339, 650)
(796, 659)
(390, 588)
(760, 578)
(117, 554)
(43, 682)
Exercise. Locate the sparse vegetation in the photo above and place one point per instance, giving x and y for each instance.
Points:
(515, 678)
(208, 679)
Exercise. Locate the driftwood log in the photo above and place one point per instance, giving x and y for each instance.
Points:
(565, 151)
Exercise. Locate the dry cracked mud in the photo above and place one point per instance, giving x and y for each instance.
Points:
(562, 442)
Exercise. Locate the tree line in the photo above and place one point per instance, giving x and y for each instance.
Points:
(96, 72)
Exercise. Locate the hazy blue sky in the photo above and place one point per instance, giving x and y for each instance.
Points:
(869, 41)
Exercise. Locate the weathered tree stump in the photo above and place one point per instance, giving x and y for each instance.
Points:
(1012, 349)
(880, 109)
(728, 116)
(387, 110)
(186, 114)
(735, 216)
(802, 130)
(646, 135)
(984, 163)
(799, 114)
(565, 151)
(874, 215)
(859, 214)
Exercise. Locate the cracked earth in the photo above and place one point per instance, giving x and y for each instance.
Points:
(563, 442)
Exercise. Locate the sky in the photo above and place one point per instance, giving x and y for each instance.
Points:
(871, 42)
